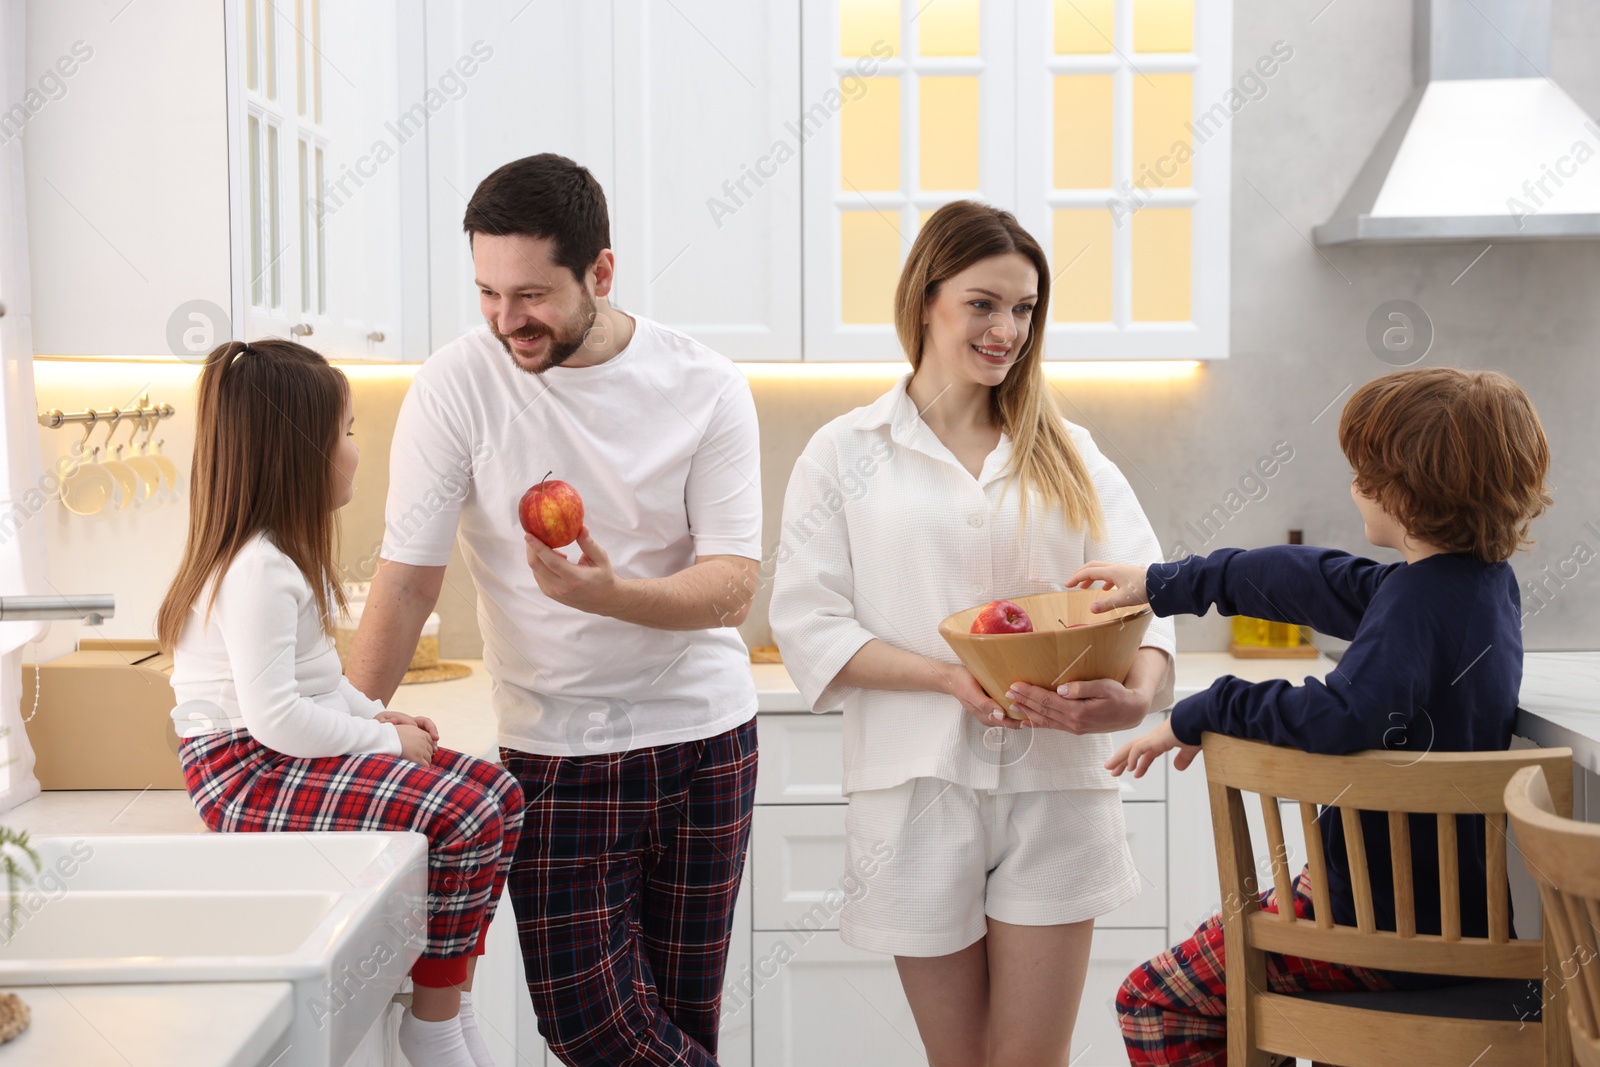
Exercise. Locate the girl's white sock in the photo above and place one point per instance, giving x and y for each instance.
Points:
(433, 1044)
(469, 1031)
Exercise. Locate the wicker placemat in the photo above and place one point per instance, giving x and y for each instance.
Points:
(14, 1016)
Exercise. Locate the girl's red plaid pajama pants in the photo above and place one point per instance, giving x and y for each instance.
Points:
(470, 810)
(624, 886)
(1173, 1009)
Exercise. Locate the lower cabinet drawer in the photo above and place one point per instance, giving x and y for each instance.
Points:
(798, 877)
(817, 1001)
(1146, 824)
(802, 759)
(796, 863)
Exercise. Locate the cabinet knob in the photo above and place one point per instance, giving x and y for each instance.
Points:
(376, 337)
(2, 311)
(301, 329)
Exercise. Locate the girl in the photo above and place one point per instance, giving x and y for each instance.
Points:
(286, 742)
(986, 854)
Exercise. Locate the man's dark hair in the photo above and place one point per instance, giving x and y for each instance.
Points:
(544, 196)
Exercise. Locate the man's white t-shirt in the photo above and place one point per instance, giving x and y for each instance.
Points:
(661, 443)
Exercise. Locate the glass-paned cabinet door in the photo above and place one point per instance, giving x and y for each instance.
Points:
(1083, 117)
(1123, 172)
(906, 106)
(322, 132)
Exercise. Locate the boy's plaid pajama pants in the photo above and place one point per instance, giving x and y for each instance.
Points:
(624, 885)
(1173, 1009)
(470, 810)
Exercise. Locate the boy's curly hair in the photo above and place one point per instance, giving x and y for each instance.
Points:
(1457, 457)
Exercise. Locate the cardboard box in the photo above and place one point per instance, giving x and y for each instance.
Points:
(104, 719)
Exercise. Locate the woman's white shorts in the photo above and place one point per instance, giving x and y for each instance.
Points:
(939, 859)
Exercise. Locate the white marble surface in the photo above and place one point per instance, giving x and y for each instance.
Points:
(222, 1024)
(1560, 703)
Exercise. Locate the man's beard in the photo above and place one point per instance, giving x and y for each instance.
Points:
(563, 345)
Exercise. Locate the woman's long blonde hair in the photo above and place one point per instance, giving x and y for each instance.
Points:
(1043, 457)
(268, 418)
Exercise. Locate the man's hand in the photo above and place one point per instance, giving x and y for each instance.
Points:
(1137, 755)
(400, 718)
(588, 585)
(1126, 578)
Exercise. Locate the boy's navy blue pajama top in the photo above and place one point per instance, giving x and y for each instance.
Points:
(1434, 665)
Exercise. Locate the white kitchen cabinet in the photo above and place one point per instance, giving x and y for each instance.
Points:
(125, 159)
(1096, 1038)
(799, 971)
(1104, 128)
(1146, 828)
(499, 998)
(328, 113)
(802, 759)
(254, 188)
(546, 86)
(796, 866)
(823, 1002)
(735, 1035)
(819, 1001)
(705, 203)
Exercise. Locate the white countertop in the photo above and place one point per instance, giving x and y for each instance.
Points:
(1560, 704)
(219, 1024)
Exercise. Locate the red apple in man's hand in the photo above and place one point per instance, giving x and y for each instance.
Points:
(1002, 617)
(552, 511)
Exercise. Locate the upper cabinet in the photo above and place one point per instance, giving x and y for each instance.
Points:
(1075, 115)
(323, 142)
(300, 167)
(197, 172)
(125, 155)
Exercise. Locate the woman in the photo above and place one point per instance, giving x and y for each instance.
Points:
(990, 852)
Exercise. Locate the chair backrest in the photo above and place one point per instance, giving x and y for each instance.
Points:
(1443, 784)
(1564, 858)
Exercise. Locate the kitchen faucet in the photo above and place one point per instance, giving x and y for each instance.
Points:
(93, 608)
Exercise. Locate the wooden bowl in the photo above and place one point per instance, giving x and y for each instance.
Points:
(1052, 654)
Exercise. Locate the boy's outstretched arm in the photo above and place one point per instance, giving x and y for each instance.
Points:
(1323, 588)
(1369, 700)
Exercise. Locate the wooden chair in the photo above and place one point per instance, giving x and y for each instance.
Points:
(1474, 1023)
(1564, 858)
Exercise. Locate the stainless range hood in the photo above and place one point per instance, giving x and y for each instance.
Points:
(1486, 147)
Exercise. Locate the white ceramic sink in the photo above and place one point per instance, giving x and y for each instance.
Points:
(342, 916)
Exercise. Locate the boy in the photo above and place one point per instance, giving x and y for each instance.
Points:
(1449, 471)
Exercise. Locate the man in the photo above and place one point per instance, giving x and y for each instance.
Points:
(623, 695)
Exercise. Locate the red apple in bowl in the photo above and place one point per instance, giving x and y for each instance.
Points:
(1002, 617)
(552, 511)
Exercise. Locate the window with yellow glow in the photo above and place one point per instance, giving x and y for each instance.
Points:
(869, 263)
(1163, 25)
(869, 137)
(1075, 115)
(862, 23)
(1085, 27)
(947, 133)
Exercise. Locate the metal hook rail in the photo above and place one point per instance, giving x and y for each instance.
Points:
(145, 411)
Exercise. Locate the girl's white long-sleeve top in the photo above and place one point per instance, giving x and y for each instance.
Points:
(263, 661)
(885, 534)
